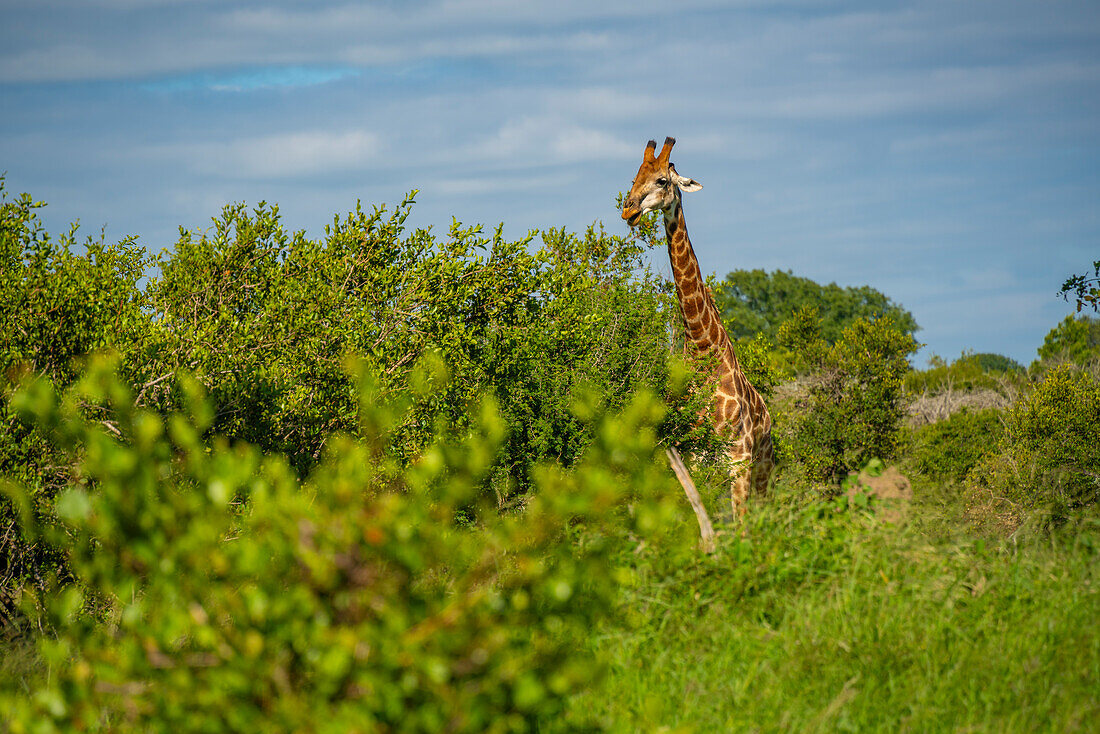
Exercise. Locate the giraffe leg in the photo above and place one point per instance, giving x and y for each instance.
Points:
(761, 474)
(740, 478)
(739, 489)
(762, 466)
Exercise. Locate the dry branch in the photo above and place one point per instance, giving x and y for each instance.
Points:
(706, 530)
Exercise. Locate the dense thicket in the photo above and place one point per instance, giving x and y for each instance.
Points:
(266, 319)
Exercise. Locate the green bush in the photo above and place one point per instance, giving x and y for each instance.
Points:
(264, 318)
(218, 592)
(1049, 457)
(57, 304)
(760, 363)
(854, 405)
(948, 449)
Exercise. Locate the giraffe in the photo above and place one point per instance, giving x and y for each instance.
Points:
(740, 415)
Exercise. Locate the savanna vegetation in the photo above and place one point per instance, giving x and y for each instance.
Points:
(757, 302)
(397, 480)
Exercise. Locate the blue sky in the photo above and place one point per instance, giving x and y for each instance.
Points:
(946, 153)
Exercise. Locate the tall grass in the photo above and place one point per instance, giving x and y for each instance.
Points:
(825, 618)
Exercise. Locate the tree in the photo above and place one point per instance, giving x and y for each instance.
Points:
(1076, 339)
(755, 301)
(1085, 289)
(992, 362)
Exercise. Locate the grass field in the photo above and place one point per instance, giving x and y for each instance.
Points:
(824, 620)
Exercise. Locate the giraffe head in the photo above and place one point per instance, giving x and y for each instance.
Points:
(657, 185)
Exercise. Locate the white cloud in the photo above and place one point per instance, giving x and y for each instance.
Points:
(602, 102)
(909, 91)
(283, 155)
(549, 140)
(488, 184)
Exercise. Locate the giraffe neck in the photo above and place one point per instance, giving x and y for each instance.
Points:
(704, 328)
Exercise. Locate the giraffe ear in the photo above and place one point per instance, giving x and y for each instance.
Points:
(685, 184)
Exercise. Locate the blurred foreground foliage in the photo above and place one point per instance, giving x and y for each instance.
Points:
(218, 591)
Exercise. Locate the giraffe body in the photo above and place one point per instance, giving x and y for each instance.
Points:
(739, 413)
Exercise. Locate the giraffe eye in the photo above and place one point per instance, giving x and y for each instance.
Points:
(662, 182)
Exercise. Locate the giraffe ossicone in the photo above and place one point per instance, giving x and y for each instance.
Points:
(739, 413)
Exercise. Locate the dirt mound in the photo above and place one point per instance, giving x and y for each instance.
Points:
(892, 488)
